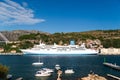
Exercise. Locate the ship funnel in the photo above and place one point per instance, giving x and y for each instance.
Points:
(72, 42)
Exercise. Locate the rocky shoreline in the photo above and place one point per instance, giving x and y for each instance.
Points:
(93, 77)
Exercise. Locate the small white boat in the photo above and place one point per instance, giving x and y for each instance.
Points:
(48, 70)
(42, 73)
(9, 76)
(57, 67)
(20, 78)
(37, 63)
(69, 71)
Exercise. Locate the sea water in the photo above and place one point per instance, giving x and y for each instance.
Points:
(21, 66)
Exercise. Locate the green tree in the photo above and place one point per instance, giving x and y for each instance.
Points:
(3, 71)
(7, 47)
(25, 45)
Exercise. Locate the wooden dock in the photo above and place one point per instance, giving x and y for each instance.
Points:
(112, 76)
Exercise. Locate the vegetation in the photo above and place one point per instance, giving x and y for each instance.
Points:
(3, 72)
(107, 38)
(111, 43)
(26, 44)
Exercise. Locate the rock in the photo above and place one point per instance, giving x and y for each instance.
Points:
(15, 34)
(93, 77)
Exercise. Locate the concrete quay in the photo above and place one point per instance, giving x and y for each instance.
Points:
(110, 51)
(11, 53)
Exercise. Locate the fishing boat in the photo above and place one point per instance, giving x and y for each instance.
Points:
(55, 49)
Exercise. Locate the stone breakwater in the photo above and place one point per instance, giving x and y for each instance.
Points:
(110, 51)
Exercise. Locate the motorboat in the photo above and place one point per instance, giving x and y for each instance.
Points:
(48, 70)
(57, 67)
(9, 77)
(69, 71)
(20, 78)
(42, 73)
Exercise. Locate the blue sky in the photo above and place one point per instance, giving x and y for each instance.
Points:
(59, 15)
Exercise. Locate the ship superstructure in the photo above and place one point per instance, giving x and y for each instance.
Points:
(59, 49)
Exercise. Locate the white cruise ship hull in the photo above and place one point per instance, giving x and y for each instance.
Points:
(59, 49)
(45, 52)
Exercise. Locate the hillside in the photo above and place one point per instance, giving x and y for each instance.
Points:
(106, 34)
(100, 34)
(107, 38)
(27, 39)
(14, 35)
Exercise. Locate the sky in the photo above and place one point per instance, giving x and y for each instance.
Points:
(59, 15)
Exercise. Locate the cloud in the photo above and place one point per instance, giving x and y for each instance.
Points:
(12, 13)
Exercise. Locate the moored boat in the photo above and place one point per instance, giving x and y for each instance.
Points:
(9, 77)
(69, 71)
(57, 67)
(44, 72)
(48, 70)
(37, 63)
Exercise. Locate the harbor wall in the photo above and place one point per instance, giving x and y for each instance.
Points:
(110, 51)
(11, 53)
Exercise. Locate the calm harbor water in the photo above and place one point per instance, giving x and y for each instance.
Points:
(21, 66)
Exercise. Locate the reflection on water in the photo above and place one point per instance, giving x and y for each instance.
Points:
(42, 78)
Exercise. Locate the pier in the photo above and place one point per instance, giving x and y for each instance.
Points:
(115, 77)
(114, 66)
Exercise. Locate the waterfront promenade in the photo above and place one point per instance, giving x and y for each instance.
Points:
(110, 51)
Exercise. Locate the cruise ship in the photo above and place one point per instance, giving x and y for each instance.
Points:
(44, 49)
